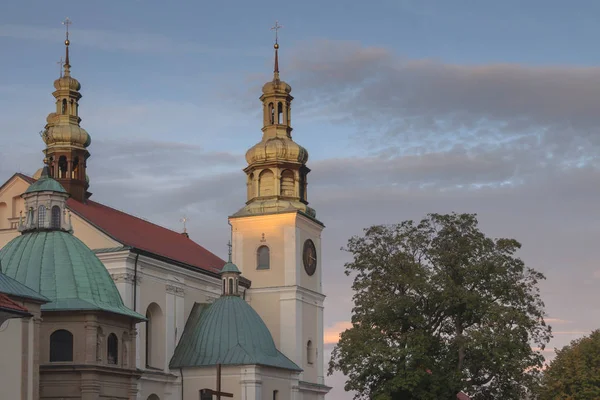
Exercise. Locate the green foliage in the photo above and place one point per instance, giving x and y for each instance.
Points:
(440, 308)
(575, 372)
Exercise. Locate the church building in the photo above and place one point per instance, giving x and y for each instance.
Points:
(99, 304)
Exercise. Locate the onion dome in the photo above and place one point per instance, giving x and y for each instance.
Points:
(277, 149)
(227, 332)
(62, 268)
(67, 82)
(67, 134)
(276, 86)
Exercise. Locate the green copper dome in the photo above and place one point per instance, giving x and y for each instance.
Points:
(45, 184)
(230, 267)
(60, 267)
(228, 332)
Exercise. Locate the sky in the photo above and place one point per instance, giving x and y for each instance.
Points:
(406, 108)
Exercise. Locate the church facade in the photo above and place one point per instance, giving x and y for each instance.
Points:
(111, 306)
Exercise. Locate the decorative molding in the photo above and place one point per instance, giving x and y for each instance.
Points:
(176, 290)
(126, 277)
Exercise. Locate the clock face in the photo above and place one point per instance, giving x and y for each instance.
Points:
(309, 257)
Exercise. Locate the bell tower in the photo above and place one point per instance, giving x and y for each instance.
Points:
(66, 141)
(277, 239)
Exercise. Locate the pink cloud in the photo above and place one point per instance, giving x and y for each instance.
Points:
(332, 334)
(556, 321)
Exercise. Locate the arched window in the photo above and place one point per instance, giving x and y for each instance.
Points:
(272, 113)
(275, 394)
(75, 171)
(287, 183)
(55, 221)
(62, 167)
(155, 330)
(72, 106)
(41, 216)
(64, 106)
(112, 349)
(309, 352)
(263, 258)
(302, 188)
(230, 286)
(266, 184)
(224, 286)
(61, 346)
(280, 113)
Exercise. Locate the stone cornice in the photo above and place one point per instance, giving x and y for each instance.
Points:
(291, 292)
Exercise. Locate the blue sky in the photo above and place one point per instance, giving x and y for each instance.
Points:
(406, 107)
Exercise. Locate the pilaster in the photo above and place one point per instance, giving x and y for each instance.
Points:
(251, 382)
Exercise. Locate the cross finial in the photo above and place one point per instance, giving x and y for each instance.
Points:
(184, 220)
(67, 65)
(276, 28)
(229, 246)
(66, 23)
(60, 66)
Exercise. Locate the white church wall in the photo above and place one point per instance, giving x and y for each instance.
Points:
(249, 382)
(170, 292)
(11, 362)
(268, 303)
(195, 379)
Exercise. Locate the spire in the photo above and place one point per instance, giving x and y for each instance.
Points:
(276, 28)
(66, 141)
(276, 69)
(67, 66)
(229, 250)
(276, 171)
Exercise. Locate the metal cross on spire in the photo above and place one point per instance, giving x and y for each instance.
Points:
(229, 246)
(60, 66)
(66, 23)
(276, 28)
(184, 220)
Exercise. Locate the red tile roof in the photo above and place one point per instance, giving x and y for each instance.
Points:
(8, 304)
(146, 236)
(462, 396)
(143, 235)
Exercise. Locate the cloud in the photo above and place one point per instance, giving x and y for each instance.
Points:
(332, 333)
(546, 350)
(556, 321)
(517, 145)
(541, 115)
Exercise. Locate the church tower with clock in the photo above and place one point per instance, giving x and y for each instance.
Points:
(277, 240)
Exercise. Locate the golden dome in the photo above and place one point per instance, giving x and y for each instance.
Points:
(277, 149)
(276, 86)
(67, 134)
(67, 82)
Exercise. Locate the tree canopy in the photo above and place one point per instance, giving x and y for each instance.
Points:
(574, 374)
(439, 308)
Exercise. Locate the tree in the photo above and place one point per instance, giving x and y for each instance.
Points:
(575, 372)
(439, 308)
